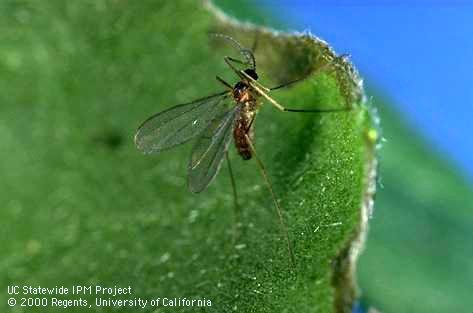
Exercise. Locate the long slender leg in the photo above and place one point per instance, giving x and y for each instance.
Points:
(276, 204)
(264, 94)
(228, 60)
(236, 60)
(237, 210)
(224, 82)
(289, 83)
(250, 124)
(320, 69)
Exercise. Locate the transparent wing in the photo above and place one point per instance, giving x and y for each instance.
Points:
(209, 150)
(179, 124)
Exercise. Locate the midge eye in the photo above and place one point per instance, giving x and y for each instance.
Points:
(212, 120)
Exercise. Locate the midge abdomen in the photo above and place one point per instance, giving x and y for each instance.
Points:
(244, 125)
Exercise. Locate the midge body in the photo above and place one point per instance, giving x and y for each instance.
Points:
(245, 97)
(214, 120)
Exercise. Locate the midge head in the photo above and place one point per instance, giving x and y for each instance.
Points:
(252, 73)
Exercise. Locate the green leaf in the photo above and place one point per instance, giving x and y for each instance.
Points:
(83, 207)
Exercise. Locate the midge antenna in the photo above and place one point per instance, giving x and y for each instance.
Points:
(247, 53)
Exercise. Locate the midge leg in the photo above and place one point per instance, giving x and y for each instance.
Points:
(235, 60)
(257, 87)
(237, 210)
(320, 69)
(289, 83)
(224, 82)
(229, 61)
(276, 204)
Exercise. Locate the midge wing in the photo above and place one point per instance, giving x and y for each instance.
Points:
(179, 124)
(209, 150)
